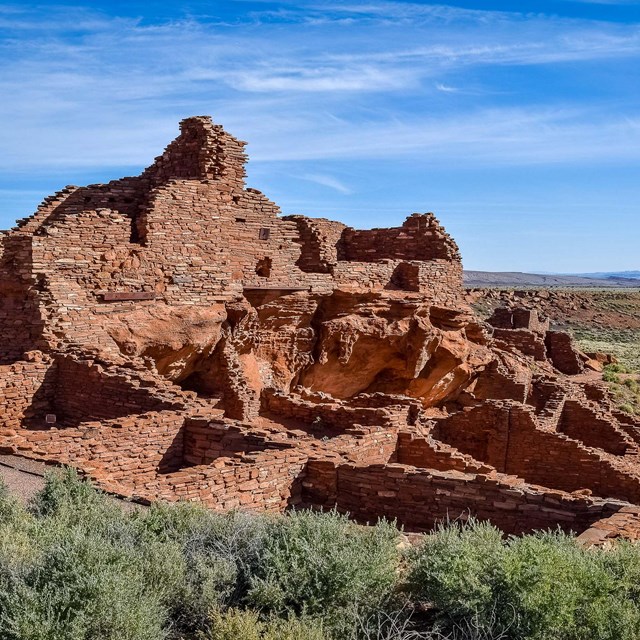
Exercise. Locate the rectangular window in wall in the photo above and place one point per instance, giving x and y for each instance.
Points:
(264, 234)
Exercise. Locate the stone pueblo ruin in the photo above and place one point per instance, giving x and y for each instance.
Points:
(173, 337)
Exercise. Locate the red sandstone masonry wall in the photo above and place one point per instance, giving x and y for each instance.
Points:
(21, 323)
(496, 382)
(444, 278)
(419, 238)
(205, 441)
(319, 239)
(86, 392)
(582, 423)
(505, 436)
(190, 257)
(518, 318)
(427, 453)
(119, 451)
(372, 445)
(204, 151)
(336, 416)
(26, 390)
(554, 460)
(187, 232)
(356, 276)
(261, 481)
(562, 352)
(420, 499)
(481, 432)
(439, 280)
(523, 340)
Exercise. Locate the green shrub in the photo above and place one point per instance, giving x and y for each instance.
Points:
(616, 367)
(65, 491)
(76, 566)
(317, 563)
(555, 589)
(216, 557)
(456, 569)
(80, 586)
(235, 624)
(535, 587)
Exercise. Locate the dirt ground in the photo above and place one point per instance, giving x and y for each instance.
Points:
(24, 478)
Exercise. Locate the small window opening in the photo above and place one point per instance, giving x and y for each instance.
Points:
(263, 268)
(241, 219)
(264, 234)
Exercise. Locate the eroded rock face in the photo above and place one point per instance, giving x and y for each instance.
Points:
(390, 344)
(177, 339)
(191, 343)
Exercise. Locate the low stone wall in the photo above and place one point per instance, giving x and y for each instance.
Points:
(506, 436)
(427, 453)
(522, 340)
(582, 423)
(86, 391)
(419, 499)
(555, 460)
(259, 481)
(438, 280)
(562, 353)
(419, 238)
(480, 432)
(333, 415)
(205, 441)
(119, 451)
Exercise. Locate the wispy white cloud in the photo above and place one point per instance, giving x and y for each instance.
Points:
(327, 79)
(445, 88)
(497, 136)
(327, 181)
(305, 92)
(411, 11)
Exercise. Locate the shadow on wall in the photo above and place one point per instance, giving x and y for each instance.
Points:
(405, 277)
(21, 324)
(77, 392)
(173, 457)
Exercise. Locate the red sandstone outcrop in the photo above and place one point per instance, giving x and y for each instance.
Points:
(174, 337)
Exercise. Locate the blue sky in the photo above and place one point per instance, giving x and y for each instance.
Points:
(517, 123)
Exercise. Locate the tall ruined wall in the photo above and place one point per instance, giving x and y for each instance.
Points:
(188, 232)
(203, 151)
(219, 243)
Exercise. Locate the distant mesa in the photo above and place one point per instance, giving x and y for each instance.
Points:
(624, 279)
